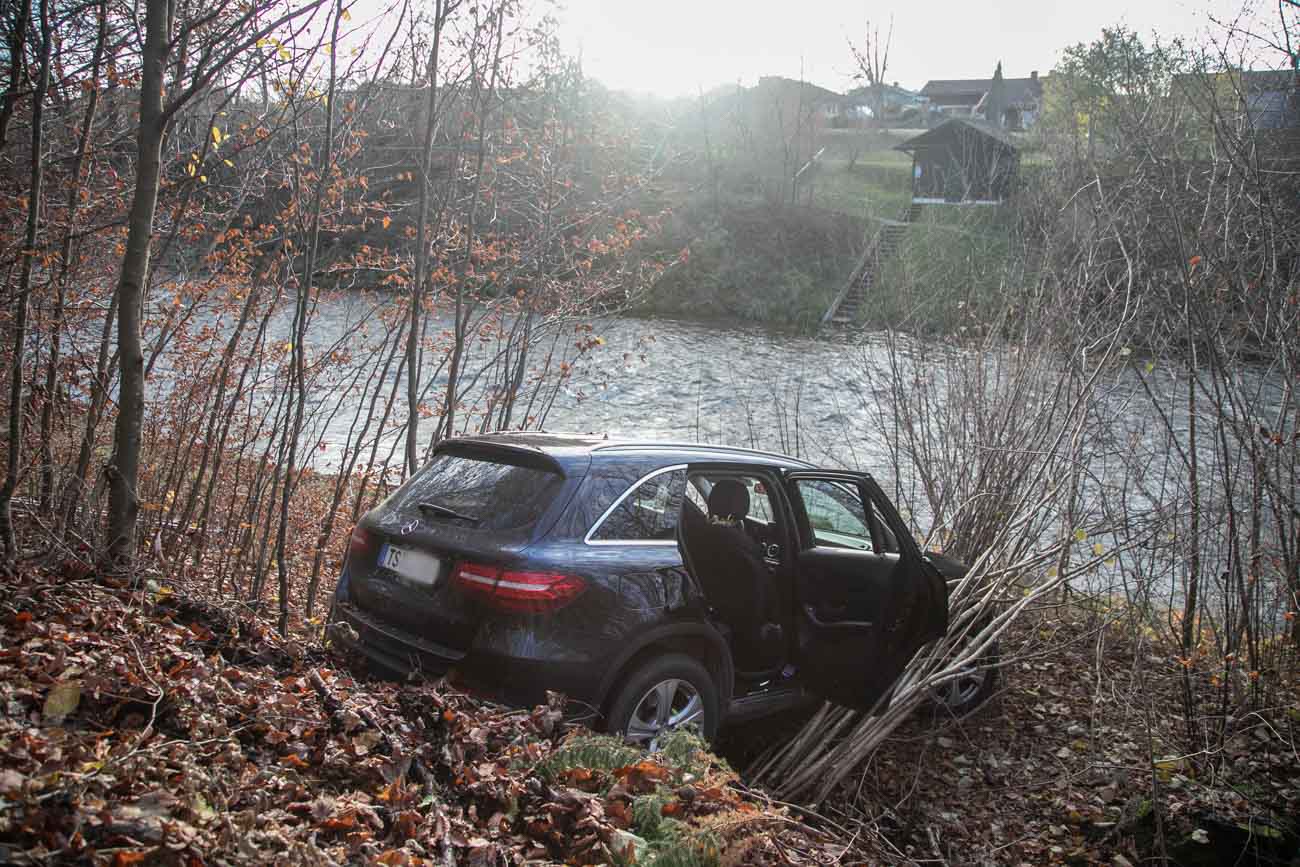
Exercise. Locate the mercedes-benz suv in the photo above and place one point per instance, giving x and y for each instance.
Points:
(652, 584)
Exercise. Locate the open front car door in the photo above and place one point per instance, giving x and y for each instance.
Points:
(866, 600)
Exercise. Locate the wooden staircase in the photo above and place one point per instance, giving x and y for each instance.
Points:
(846, 309)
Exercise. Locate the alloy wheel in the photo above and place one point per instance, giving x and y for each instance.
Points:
(667, 705)
(959, 692)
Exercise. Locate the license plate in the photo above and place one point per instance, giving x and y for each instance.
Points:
(415, 566)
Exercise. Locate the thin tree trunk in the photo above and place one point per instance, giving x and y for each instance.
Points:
(24, 290)
(98, 395)
(123, 503)
(218, 403)
(346, 468)
(17, 48)
(299, 351)
(421, 248)
(219, 451)
(65, 268)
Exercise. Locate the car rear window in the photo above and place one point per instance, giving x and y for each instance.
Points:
(648, 512)
(495, 492)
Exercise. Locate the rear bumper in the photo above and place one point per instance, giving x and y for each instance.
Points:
(500, 677)
(387, 645)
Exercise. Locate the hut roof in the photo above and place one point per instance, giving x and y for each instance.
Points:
(949, 129)
(1020, 92)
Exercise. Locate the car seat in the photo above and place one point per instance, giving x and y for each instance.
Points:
(729, 566)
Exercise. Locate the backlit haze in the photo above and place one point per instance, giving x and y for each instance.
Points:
(677, 47)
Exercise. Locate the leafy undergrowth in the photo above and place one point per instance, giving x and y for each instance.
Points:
(139, 728)
(1083, 757)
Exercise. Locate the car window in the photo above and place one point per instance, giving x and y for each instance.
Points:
(889, 544)
(697, 491)
(760, 501)
(835, 513)
(489, 492)
(647, 513)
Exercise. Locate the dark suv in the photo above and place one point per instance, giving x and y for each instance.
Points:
(653, 584)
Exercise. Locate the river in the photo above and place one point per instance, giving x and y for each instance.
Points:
(823, 398)
(688, 381)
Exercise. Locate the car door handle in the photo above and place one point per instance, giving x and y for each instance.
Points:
(811, 614)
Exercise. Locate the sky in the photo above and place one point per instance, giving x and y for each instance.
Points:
(678, 47)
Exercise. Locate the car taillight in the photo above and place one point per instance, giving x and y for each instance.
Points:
(524, 592)
(360, 544)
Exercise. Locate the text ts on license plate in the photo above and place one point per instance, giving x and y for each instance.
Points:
(415, 566)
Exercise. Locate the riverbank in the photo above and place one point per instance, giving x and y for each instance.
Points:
(748, 261)
(152, 726)
(1078, 758)
(752, 262)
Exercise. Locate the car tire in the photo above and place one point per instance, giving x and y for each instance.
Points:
(963, 695)
(637, 711)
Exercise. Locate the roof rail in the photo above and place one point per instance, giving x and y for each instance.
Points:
(633, 445)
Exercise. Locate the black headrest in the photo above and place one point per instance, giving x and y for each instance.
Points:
(729, 499)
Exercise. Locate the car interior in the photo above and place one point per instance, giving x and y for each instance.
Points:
(648, 512)
(839, 518)
(730, 541)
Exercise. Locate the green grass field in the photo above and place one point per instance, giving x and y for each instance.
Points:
(879, 187)
(783, 264)
(947, 265)
(862, 175)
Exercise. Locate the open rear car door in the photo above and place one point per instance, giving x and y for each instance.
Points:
(865, 598)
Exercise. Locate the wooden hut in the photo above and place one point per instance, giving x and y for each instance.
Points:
(962, 161)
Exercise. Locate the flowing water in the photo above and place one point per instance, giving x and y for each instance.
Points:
(666, 379)
(823, 398)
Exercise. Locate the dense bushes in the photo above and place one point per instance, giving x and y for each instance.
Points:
(755, 262)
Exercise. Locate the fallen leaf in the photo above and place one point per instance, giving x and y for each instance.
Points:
(366, 741)
(11, 781)
(341, 822)
(61, 701)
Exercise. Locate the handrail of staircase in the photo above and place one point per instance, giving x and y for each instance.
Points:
(868, 253)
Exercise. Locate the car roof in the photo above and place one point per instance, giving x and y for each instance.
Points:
(564, 448)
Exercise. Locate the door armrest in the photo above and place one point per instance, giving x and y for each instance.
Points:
(811, 614)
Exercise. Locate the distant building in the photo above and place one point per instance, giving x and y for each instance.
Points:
(895, 99)
(1021, 104)
(798, 97)
(1264, 100)
(962, 161)
(1272, 99)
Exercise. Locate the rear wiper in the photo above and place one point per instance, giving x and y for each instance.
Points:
(439, 509)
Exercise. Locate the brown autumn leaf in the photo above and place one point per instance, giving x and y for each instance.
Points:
(11, 782)
(642, 776)
(61, 701)
(344, 821)
(582, 778)
(366, 741)
(395, 793)
(406, 824)
(619, 813)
